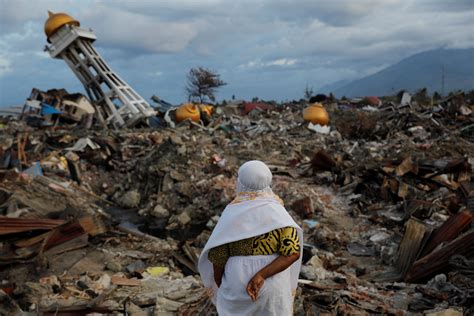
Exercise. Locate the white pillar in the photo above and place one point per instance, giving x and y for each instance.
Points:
(116, 103)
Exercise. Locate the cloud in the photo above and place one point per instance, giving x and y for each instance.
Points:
(135, 32)
(14, 14)
(140, 33)
(334, 13)
(446, 5)
(281, 62)
(153, 44)
(5, 65)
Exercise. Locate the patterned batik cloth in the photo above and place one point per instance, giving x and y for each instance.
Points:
(282, 241)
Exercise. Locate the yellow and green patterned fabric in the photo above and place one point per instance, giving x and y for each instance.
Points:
(283, 241)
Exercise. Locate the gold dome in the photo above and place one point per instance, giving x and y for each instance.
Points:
(56, 21)
(316, 114)
(186, 111)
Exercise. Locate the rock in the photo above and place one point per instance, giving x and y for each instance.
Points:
(202, 238)
(137, 266)
(185, 188)
(315, 262)
(167, 183)
(6, 142)
(130, 199)
(182, 150)
(114, 266)
(160, 212)
(378, 237)
(446, 312)
(102, 283)
(176, 139)
(177, 175)
(388, 253)
(358, 249)
(172, 224)
(166, 305)
(439, 279)
(52, 280)
(314, 270)
(419, 132)
(72, 156)
(183, 218)
(212, 222)
(134, 310)
(313, 273)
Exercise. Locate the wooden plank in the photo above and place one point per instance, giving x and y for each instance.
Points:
(73, 244)
(31, 241)
(62, 234)
(71, 230)
(10, 225)
(84, 308)
(118, 280)
(66, 237)
(438, 260)
(185, 262)
(92, 225)
(450, 229)
(415, 236)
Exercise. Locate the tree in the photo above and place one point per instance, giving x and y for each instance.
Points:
(331, 98)
(202, 84)
(421, 96)
(437, 96)
(308, 92)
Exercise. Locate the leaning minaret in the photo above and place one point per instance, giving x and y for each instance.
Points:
(116, 103)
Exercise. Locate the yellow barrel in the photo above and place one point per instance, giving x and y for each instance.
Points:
(186, 111)
(316, 114)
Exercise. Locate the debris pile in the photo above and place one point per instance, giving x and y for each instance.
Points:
(57, 106)
(113, 221)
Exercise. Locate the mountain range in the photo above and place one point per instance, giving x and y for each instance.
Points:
(441, 70)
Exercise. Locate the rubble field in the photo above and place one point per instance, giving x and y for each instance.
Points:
(99, 221)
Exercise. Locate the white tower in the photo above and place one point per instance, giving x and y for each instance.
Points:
(116, 103)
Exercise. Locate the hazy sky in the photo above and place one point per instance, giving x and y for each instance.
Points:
(271, 49)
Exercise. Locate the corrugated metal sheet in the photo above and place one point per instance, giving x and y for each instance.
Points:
(10, 225)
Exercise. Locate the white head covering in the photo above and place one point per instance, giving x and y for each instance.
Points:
(254, 176)
(255, 211)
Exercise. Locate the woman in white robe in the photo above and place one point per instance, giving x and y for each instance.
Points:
(254, 284)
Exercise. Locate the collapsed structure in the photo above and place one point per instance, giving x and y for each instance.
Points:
(117, 103)
(113, 221)
(95, 220)
(47, 108)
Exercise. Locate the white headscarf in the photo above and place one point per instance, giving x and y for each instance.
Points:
(254, 176)
(255, 211)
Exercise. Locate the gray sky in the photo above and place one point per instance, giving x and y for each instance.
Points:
(271, 49)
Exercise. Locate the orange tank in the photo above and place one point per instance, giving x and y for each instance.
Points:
(208, 109)
(188, 111)
(316, 114)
